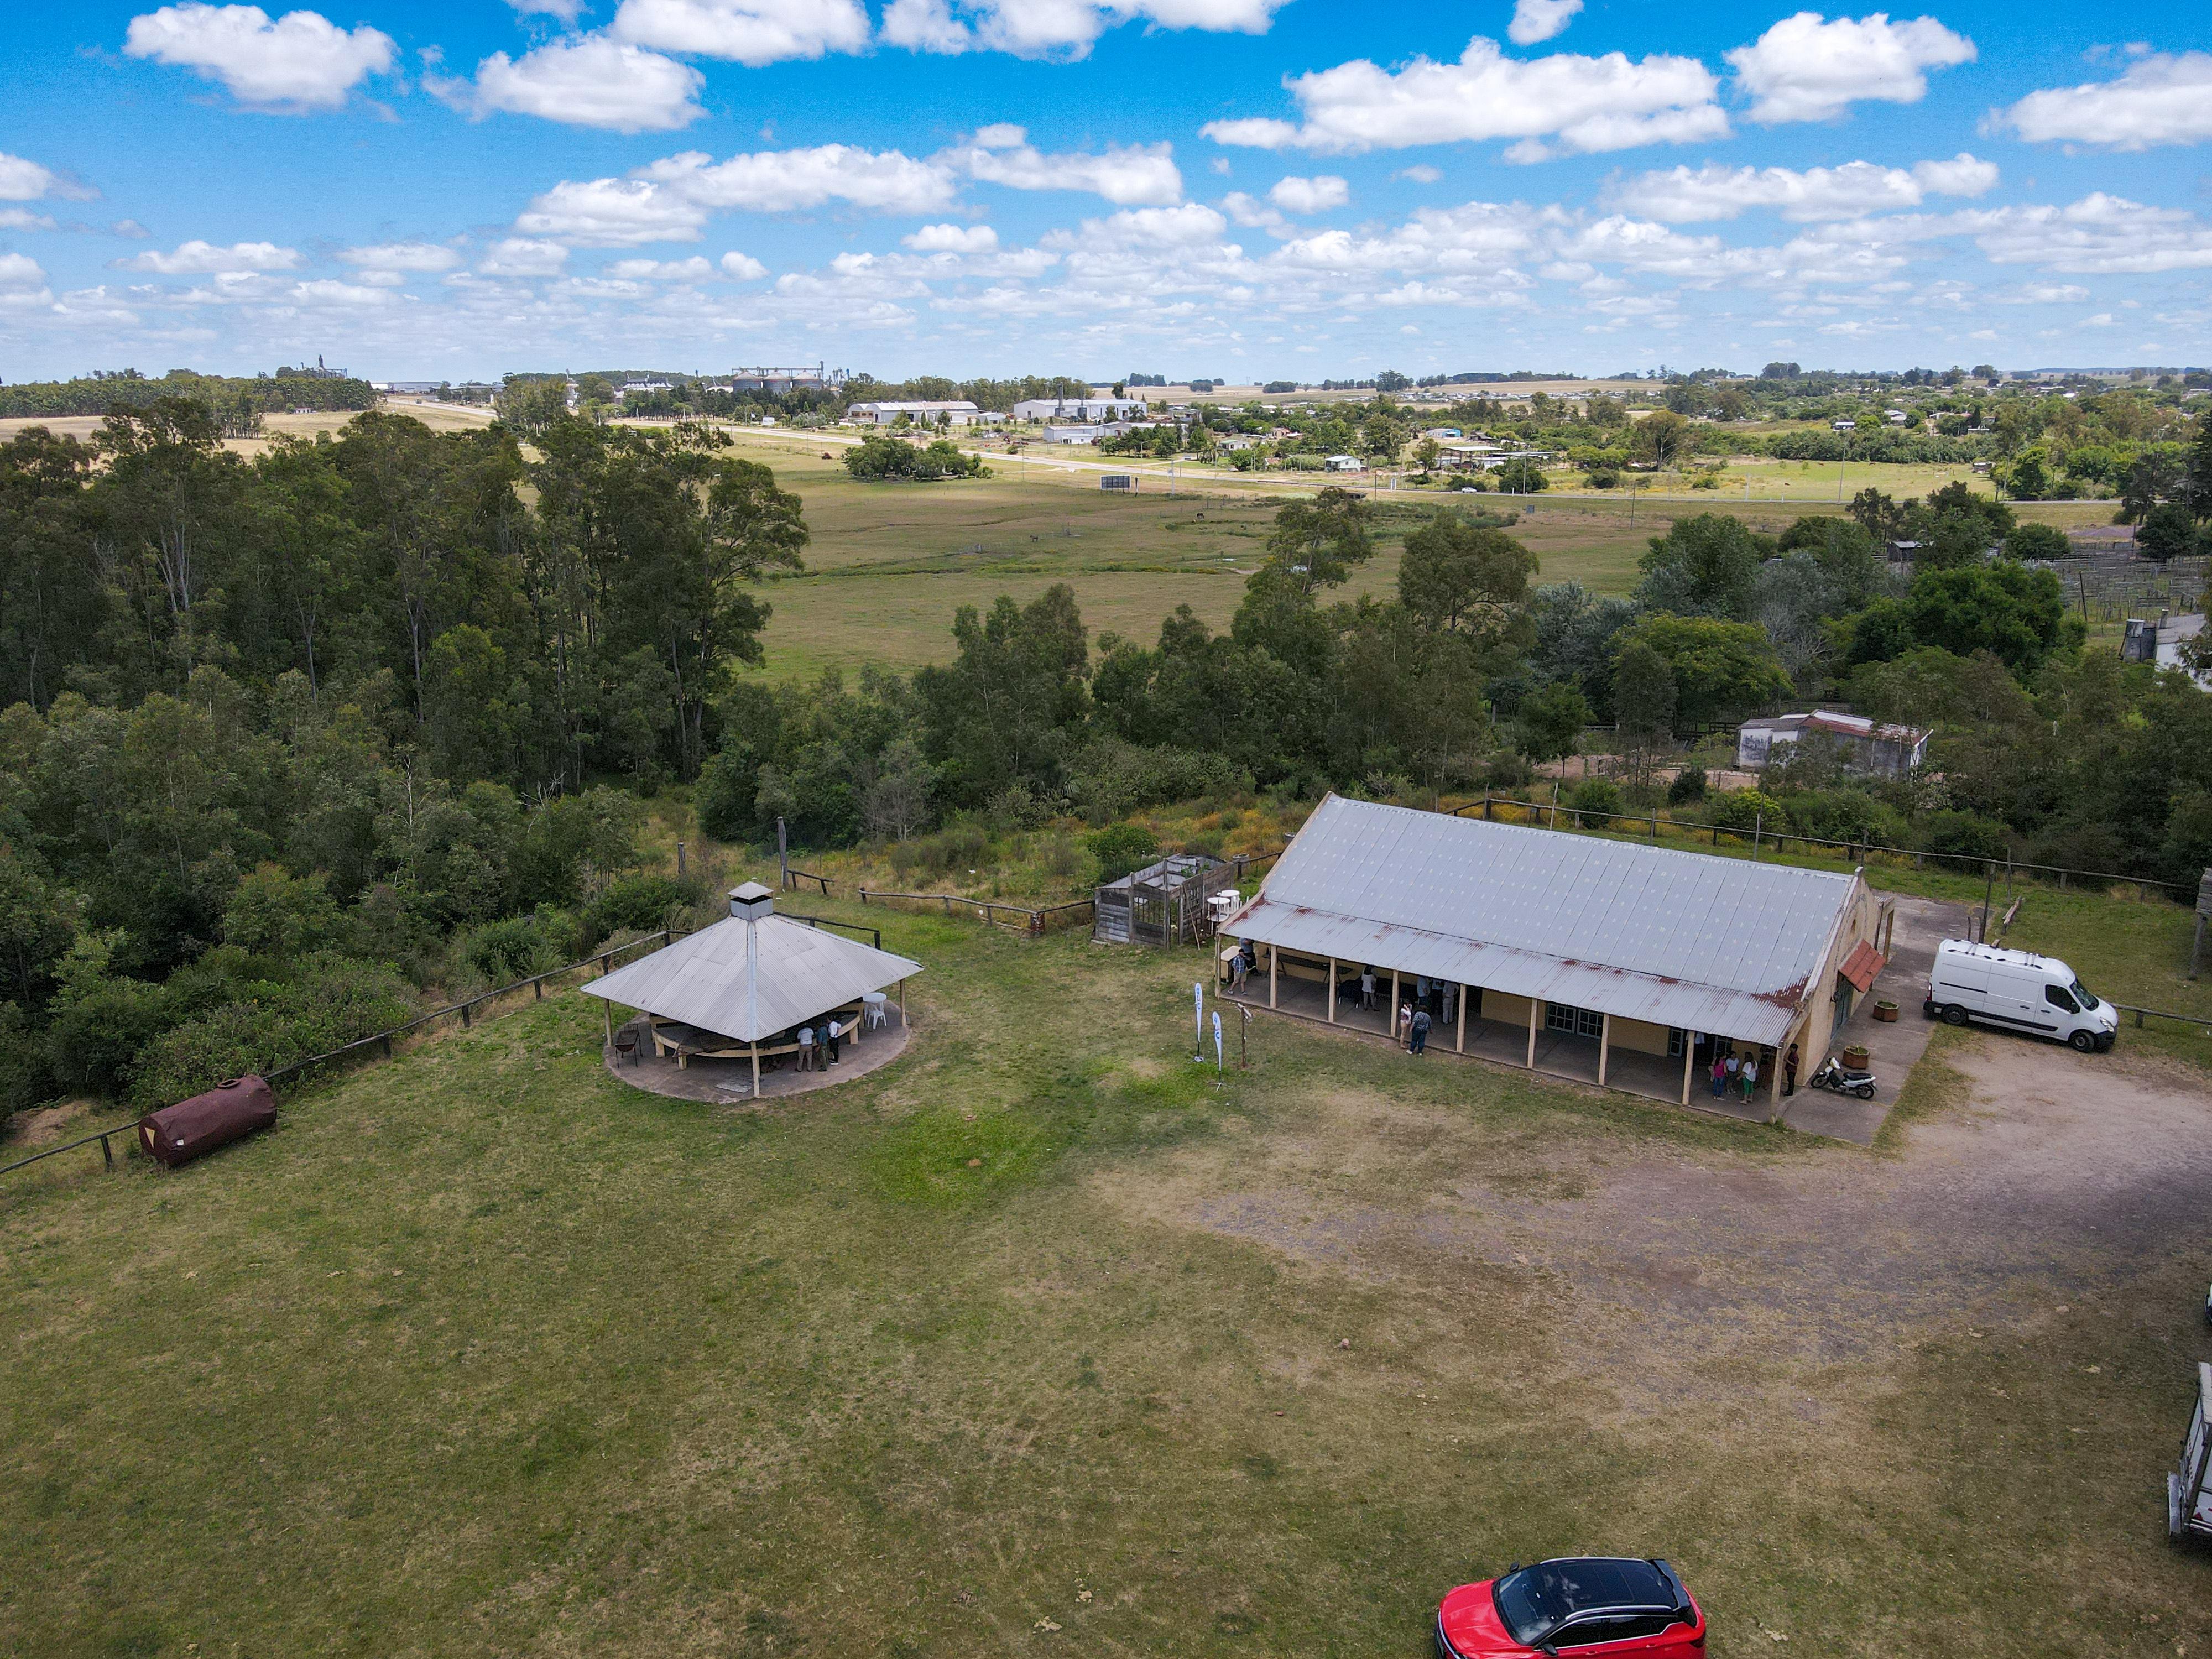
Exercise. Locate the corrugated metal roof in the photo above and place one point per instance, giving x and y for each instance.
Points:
(750, 979)
(1646, 932)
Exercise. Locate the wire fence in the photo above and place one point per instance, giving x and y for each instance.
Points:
(380, 1044)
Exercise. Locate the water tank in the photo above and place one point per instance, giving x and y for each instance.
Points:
(191, 1129)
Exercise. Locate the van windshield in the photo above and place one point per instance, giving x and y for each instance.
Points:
(2087, 997)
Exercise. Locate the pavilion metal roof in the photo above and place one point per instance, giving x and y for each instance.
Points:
(750, 979)
(1646, 932)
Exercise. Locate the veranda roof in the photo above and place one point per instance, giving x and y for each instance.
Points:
(1642, 933)
(748, 980)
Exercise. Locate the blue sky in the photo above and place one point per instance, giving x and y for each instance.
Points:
(1238, 188)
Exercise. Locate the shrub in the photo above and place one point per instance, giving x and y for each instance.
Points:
(1743, 810)
(639, 904)
(1122, 848)
(501, 952)
(332, 1002)
(1508, 770)
(1966, 835)
(1689, 785)
(1110, 779)
(1592, 796)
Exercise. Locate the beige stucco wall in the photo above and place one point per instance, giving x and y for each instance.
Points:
(1640, 1035)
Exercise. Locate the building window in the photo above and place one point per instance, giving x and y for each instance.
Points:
(1676, 1037)
(1582, 1021)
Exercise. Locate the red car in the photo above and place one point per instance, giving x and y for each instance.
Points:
(1585, 1604)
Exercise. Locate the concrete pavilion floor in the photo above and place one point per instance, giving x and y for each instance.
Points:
(726, 1082)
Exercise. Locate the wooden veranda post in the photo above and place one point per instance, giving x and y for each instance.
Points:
(1604, 1045)
(1393, 1005)
(1332, 990)
(1689, 1055)
(1460, 1046)
(1275, 963)
(902, 991)
(1535, 1006)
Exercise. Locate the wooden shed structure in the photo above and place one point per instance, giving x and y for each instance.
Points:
(1615, 962)
(744, 987)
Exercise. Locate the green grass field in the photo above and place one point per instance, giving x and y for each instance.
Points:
(890, 563)
(1036, 1342)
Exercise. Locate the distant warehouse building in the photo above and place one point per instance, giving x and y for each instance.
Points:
(918, 412)
(1078, 409)
(1605, 962)
(1864, 747)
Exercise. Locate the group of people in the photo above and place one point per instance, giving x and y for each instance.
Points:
(1413, 1023)
(818, 1044)
(1731, 1069)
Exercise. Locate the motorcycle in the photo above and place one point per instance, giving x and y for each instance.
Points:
(1832, 1074)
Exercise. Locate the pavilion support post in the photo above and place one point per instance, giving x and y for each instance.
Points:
(1689, 1055)
(610, 1008)
(1774, 1078)
(1604, 1045)
(1459, 1045)
(1535, 1008)
(1332, 990)
(902, 991)
(755, 1046)
(1274, 967)
(1393, 1003)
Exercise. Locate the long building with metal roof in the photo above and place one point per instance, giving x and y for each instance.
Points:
(1569, 953)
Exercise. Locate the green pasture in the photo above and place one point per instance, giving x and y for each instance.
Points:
(1042, 1340)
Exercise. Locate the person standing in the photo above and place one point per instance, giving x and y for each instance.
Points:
(835, 1031)
(1420, 1031)
(1790, 1070)
(1237, 972)
(806, 1047)
(1720, 1074)
(1750, 1077)
(1735, 1068)
(1406, 1025)
(1367, 988)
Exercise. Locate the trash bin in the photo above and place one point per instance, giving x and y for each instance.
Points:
(191, 1129)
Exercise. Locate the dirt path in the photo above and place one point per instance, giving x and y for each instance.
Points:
(2055, 1179)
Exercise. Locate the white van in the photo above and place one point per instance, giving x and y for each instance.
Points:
(2019, 991)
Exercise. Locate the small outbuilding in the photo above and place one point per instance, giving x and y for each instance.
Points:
(1864, 747)
(1626, 966)
(745, 986)
(1165, 903)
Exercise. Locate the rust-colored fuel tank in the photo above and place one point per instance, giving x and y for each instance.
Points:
(229, 1111)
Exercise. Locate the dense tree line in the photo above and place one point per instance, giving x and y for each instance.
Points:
(261, 394)
(301, 734)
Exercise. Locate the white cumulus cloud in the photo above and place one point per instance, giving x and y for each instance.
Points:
(611, 213)
(401, 257)
(300, 61)
(198, 257)
(953, 239)
(743, 266)
(1561, 103)
(750, 31)
(2098, 235)
(1057, 28)
(1685, 196)
(522, 256)
(1540, 19)
(1809, 68)
(784, 181)
(1317, 194)
(586, 82)
(2161, 99)
(1131, 175)
(22, 282)
(24, 181)
(693, 270)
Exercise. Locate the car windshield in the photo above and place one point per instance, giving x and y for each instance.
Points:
(1534, 1601)
(2087, 997)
